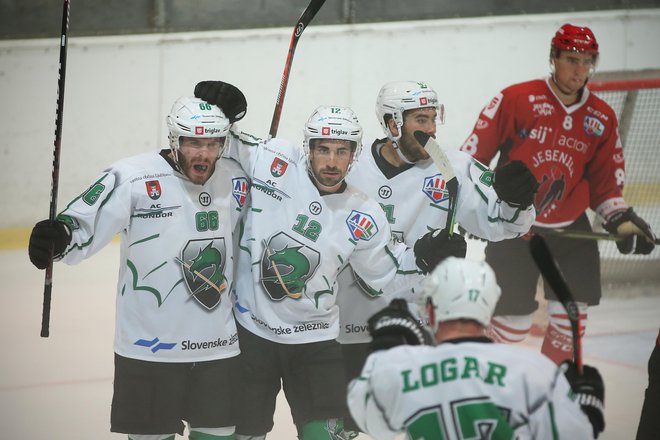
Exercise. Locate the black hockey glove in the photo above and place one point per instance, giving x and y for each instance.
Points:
(435, 246)
(395, 325)
(515, 184)
(226, 96)
(45, 234)
(590, 391)
(640, 239)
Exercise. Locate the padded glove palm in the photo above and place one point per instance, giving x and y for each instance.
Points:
(226, 96)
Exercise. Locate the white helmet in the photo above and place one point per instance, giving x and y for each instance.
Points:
(396, 97)
(332, 122)
(461, 289)
(193, 117)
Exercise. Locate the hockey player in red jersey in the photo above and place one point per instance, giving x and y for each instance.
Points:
(569, 138)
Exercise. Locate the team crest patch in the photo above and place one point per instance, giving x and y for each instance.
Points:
(278, 167)
(593, 126)
(435, 188)
(240, 188)
(153, 189)
(362, 226)
(286, 266)
(203, 265)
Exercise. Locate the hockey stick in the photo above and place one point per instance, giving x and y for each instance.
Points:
(306, 17)
(442, 163)
(581, 235)
(550, 271)
(48, 281)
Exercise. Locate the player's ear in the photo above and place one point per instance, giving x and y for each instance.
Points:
(391, 124)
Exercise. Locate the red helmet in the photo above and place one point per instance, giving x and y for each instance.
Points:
(576, 39)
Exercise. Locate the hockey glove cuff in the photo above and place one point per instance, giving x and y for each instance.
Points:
(395, 325)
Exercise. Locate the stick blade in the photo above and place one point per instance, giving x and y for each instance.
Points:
(437, 155)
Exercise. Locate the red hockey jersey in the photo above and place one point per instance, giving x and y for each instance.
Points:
(574, 152)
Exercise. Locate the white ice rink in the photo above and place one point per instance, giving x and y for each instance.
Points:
(60, 387)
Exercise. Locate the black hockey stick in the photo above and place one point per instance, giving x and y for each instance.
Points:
(306, 17)
(442, 163)
(550, 271)
(581, 235)
(48, 281)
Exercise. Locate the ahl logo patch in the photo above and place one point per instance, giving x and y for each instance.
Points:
(240, 188)
(435, 188)
(593, 126)
(362, 226)
(278, 167)
(153, 189)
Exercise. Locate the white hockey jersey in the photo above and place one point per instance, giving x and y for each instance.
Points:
(173, 234)
(469, 389)
(296, 240)
(415, 201)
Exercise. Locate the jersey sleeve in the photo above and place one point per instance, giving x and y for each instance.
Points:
(556, 411)
(606, 174)
(385, 265)
(479, 210)
(244, 149)
(97, 215)
(366, 409)
(491, 130)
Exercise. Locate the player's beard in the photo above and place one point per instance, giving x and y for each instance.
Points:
(197, 170)
(330, 181)
(410, 148)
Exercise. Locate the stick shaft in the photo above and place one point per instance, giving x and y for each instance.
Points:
(551, 273)
(581, 235)
(305, 18)
(48, 281)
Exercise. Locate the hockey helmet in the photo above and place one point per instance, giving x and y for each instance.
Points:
(396, 97)
(333, 122)
(461, 289)
(193, 117)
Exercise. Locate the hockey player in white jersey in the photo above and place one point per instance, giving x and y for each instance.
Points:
(175, 211)
(398, 173)
(304, 225)
(467, 386)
